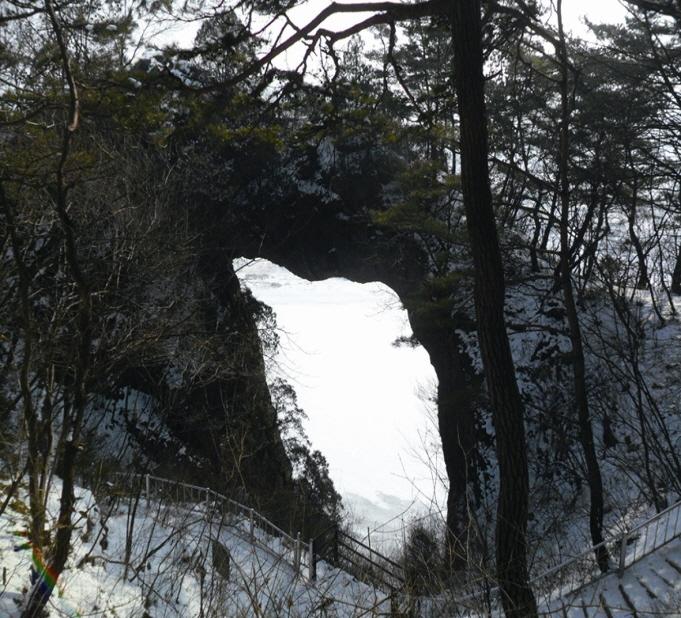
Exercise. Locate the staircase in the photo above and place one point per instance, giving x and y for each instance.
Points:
(646, 579)
(650, 587)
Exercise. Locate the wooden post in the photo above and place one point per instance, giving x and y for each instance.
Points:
(250, 517)
(146, 487)
(394, 605)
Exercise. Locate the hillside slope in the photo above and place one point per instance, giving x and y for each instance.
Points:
(175, 554)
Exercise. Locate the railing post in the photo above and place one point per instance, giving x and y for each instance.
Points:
(251, 526)
(296, 554)
(146, 487)
(623, 555)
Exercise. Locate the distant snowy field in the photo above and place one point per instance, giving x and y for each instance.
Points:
(363, 396)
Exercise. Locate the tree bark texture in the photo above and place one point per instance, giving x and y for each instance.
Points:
(676, 275)
(508, 413)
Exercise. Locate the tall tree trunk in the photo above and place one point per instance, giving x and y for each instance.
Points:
(512, 510)
(50, 570)
(676, 275)
(536, 234)
(586, 436)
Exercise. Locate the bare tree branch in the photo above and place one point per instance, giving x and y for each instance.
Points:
(384, 13)
(528, 18)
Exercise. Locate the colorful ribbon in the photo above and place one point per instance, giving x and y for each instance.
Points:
(44, 576)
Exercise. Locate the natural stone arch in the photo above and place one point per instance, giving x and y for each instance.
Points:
(310, 209)
(361, 252)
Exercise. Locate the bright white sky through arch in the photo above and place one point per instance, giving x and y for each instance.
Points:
(360, 392)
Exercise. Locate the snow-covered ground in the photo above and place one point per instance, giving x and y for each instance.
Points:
(172, 570)
(364, 396)
(176, 567)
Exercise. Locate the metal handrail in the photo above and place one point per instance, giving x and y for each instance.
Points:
(624, 550)
(665, 514)
(336, 548)
(255, 519)
(303, 554)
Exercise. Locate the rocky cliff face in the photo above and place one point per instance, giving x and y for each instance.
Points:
(219, 407)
